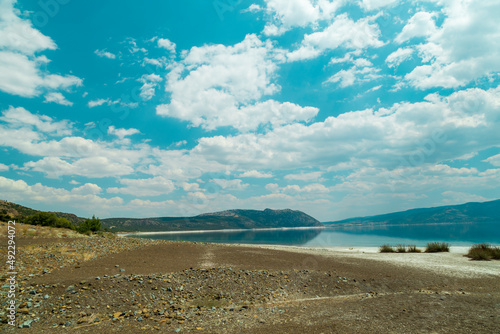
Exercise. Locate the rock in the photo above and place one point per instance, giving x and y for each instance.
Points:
(26, 324)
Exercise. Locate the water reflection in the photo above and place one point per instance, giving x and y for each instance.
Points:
(374, 236)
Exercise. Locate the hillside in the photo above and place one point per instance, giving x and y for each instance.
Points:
(464, 213)
(231, 219)
(9, 210)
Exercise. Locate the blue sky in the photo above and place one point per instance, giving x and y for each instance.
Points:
(337, 108)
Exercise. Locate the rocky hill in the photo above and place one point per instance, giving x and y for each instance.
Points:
(451, 214)
(9, 210)
(230, 219)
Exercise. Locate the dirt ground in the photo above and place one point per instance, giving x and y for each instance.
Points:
(178, 287)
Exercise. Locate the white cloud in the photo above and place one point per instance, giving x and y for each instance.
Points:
(226, 184)
(217, 85)
(398, 57)
(355, 74)
(18, 34)
(287, 14)
(494, 160)
(109, 102)
(100, 102)
(144, 187)
(122, 133)
(312, 176)
(256, 174)
(253, 8)
(456, 197)
(343, 32)
(94, 167)
(462, 49)
(376, 4)
(20, 75)
(87, 189)
(57, 98)
(3, 167)
(166, 44)
(150, 82)
(411, 133)
(84, 197)
(190, 186)
(420, 25)
(20, 117)
(105, 54)
(20, 69)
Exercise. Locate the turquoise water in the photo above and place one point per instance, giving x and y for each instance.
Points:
(420, 235)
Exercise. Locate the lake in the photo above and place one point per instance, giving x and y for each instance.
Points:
(420, 235)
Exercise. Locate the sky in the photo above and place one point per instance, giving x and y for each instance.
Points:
(176, 108)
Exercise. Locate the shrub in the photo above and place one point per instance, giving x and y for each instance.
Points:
(48, 219)
(90, 225)
(401, 248)
(413, 249)
(483, 252)
(435, 247)
(386, 249)
(496, 253)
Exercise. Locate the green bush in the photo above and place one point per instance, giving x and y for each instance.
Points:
(483, 252)
(435, 247)
(90, 225)
(48, 219)
(386, 249)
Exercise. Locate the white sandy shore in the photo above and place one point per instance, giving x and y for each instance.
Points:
(450, 264)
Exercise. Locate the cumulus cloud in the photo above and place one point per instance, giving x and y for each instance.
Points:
(20, 68)
(411, 133)
(95, 167)
(399, 56)
(83, 197)
(217, 85)
(343, 32)
(17, 118)
(462, 49)
(494, 160)
(144, 187)
(122, 133)
(287, 14)
(376, 4)
(166, 44)
(420, 25)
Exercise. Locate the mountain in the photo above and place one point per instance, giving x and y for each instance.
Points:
(9, 210)
(465, 213)
(230, 219)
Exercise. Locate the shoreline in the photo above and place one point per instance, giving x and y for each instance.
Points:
(125, 234)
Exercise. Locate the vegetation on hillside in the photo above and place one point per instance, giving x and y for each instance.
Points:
(230, 219)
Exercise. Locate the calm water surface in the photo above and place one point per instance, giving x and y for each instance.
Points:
(420, 235)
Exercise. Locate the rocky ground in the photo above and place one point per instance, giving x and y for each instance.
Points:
(81, 285)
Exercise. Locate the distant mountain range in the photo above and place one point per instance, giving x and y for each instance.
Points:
(248, 219)
(230, 219)
(464, 213)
